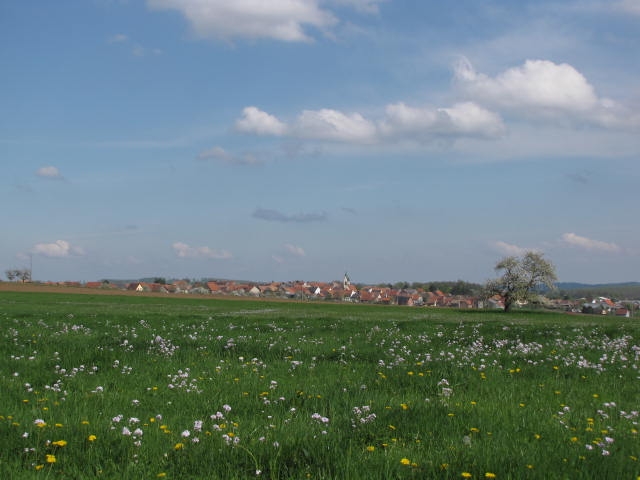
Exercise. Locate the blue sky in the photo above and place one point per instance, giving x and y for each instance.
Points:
(296, 139)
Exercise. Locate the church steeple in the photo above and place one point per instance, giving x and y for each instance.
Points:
(346, 282)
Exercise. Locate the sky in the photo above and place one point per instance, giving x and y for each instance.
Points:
(397, 140)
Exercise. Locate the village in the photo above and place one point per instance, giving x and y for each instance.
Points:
(346, 291)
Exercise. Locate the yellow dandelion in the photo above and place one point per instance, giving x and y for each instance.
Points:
(59, 443)
(59, 425)
(39, 467)
(404, 406)
(370, 448)
(489, 475)
(391, 427)
(466, 475)
(444, 466)
(92, 438)
(405, 461)
(574, 439)
(51, 458)
(85, 422)
(161, 475)
(178, 446)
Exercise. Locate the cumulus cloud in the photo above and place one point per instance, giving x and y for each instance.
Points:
(543, 88)
(259, 122)
(508, 249)
(294, 250)
(327, 124)
(573, 240)
(284, 20)
(49, 172)
(220, 154)
(400, 122)
(463, 119)
(276, 216)
(57, 249)
(363, 6)
(183, 250)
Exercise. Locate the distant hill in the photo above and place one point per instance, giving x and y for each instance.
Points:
(620, 291)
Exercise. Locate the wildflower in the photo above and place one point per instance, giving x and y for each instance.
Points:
(489, 475)
(38, 422)
(92, 438)
(39, 467)
(466, 475)
(161, 475)
(51, 458)
(405, 461)
(370, 448)
(126, 431)
(185, 434)
(59, 443)
(178, 446)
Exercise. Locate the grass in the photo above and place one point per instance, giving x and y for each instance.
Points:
(141, 387)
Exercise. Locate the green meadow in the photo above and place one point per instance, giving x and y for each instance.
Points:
(183, 388)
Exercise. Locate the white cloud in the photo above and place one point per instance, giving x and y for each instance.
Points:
(49, 172)
(543, 88)
(508, 249)
(536, 84)
(363, 6)
(284, 20)
(58, 249)
(183, 250)
(256, 121)
(327, 124)
(468, 119)
(573, 240)
(401, 122)
(294, 250)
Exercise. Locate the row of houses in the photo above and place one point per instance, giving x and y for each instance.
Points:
(343, 291)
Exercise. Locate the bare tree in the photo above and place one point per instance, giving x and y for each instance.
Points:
(24, 275)
(521, 277)
(11, 275)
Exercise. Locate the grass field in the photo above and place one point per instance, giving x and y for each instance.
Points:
(96, 386)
